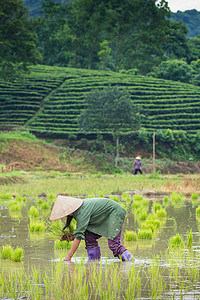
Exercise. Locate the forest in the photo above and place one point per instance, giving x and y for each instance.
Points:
(135, 37)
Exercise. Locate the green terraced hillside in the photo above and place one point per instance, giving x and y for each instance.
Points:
(50, 99)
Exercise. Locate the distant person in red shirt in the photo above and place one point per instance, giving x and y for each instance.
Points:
(138, 165)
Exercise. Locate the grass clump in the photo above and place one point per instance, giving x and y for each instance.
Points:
(155, 223)
(14, 254)
(157, 206)
(6, 252)
(143, 216)
(17, 254)
(45, 206)
(145, 234)
(37, 226)
(161, 213)
(130, 236)
(33, 212)
(148, 226)
(176, 242)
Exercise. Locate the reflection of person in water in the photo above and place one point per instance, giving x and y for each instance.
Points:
(96, 217)
(138, 165)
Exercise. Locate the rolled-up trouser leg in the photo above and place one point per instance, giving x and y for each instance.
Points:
(91, 244)
(115, 245)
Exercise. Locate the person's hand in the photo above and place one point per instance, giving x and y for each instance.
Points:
(67, 258)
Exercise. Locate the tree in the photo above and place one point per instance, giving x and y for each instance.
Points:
(176, 46)
(176, 70)
(17, 38)
(110, 110)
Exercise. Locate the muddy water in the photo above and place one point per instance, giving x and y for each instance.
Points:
(39, 248)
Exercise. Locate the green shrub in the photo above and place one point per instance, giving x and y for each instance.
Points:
(198, 211)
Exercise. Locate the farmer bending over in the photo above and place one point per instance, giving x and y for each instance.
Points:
(96, 217)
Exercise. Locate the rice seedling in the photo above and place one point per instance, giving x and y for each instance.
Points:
(189, 239)
(148, 226)
(125, 197)
(37, 226)
(138, 197)
(161, 213)
(6, 252)
(165, 200)
(33, 212)
(5, 196)
(45, 206)
(144, 234)
(20, 198)
(143, 216)
(17, 254)
(130, 236)
(194, 196)
(14, 206)
(176, 199)
(40, 202)
(136, 204)
(156, 207)
(176, 242)
(62, 244)
(154, 222)
(198, 211)
(115, 198)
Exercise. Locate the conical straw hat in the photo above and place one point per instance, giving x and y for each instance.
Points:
(138, 157)
(64, 206)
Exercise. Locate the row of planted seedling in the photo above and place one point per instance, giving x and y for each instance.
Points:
(177, 277)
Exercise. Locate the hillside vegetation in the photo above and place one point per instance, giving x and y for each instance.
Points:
(50, 99)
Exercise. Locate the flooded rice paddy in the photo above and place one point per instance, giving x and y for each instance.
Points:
(158, 271)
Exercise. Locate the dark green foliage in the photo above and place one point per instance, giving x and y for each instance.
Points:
(175, 70)
(110, 111)
(71, 34)
(17, 47)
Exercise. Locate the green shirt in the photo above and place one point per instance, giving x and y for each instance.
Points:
(99, 215)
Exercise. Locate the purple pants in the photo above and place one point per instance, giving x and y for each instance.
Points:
(114, 245)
